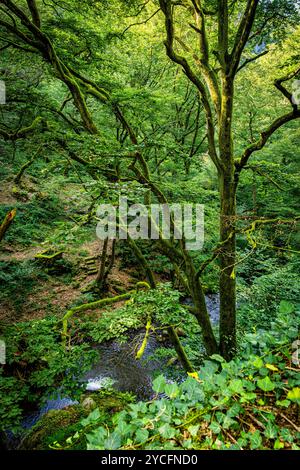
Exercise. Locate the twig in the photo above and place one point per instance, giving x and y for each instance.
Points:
(256, 421)
(232, 439)
(291, 422)
(140, 22)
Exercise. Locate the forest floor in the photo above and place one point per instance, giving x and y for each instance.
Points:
(55, 292)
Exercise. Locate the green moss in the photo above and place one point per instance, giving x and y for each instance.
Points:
(58, 425)
(49, 257)
(53, 425)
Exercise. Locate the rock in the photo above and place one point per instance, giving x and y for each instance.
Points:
(40, 435)
(58, 425)
(89, 404)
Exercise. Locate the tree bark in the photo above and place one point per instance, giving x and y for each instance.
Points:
(188, 367)
(227, 280)
(200, 310)
(6, 222)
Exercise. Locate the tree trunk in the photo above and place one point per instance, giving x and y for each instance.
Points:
(6, 222)
(188, 367)
(101, 271)
(200, 310)
(143, 262)
(227, 226)
(227, 267)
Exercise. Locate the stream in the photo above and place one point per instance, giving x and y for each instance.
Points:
(118, 367)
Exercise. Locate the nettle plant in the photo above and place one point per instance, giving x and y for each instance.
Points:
(251, 402)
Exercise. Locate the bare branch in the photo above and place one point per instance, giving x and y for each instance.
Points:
(251, 59)
(169, 44)
(141, 22)
(265, 136)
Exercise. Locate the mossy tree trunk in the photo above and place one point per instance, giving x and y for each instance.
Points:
(8, 219)
(215, 84)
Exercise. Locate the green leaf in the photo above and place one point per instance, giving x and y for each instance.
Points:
(96, 439)
(242, 442)
(172, 390)
(236, 386)
(266, 384)
(193, 429)
(234, 410)
(215, 427)
(258, 363)
(159, 384)
(124, 428)
(247, 396)
(270, 431)
(228, 422)
(166, 431)
(113, 441)
(92, 418)
(218, 358)
(141, 436)
(255, 440)
(286, 307)
(284, 403)
(278, 445)
(294, 395)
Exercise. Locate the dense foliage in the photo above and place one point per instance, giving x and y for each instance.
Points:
(160, 101)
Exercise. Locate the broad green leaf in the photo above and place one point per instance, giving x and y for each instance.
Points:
(294, 395)
(255, 440)
(266, 384)
(236, 386)
(218, 358)
(270, 431)
(286, 307)
(172, 390)
(258, 363)
(113, 441)
(166, 431)
(92, 418)
(284, 403)
(228, 422)
(141, 436)
(247, 396)
(159, 384)
(215, 427)
(234, 410)
(278, 445)
(193, 429)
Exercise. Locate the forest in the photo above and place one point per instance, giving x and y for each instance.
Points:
(149, 225)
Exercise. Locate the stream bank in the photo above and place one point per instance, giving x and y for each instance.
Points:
(116, 370)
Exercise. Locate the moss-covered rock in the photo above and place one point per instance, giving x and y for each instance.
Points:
(58, 425)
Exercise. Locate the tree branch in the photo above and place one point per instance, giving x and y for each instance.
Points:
(251, 59)
(265, 136)
(20, 134)
(242, 35)
(169, 44)
(34, 12)
(140, 22)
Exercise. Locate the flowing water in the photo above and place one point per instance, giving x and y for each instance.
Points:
(117, 366)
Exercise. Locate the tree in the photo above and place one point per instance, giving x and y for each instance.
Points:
(212, 66)
(218, 41)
